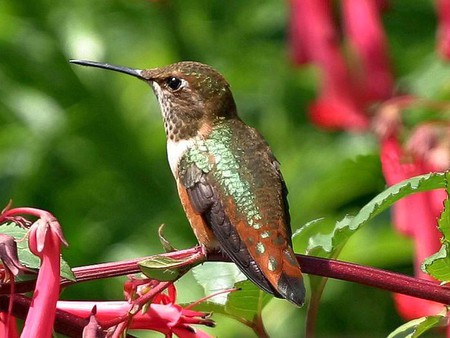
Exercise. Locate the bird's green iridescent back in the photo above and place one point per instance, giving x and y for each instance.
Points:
(242, 169)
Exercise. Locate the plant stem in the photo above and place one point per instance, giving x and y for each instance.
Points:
(258, 327)
(313, 309)
(369, 276)
(374, 277)
(336, 269)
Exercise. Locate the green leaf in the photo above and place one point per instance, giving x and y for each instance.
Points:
(247, 302)
(444, 219)
(217, 276)
(330, 245)
(243, 304)
(164, 242)
(208, 306)
(164, 268)
(66, 271)
(438, 265)
(307, 226)
(26, 257)
(417, 327)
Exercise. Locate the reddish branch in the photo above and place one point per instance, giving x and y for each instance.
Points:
(373, 277)
(377, 278)
(72, 325)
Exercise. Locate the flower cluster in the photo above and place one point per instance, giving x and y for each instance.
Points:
(147, 306)
(346, 92)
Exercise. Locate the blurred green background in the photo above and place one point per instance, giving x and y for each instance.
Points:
(89, 145)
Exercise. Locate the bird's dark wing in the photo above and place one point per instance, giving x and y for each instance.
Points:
(205, 200)
(284, 193)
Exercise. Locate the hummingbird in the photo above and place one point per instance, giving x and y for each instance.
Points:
(228, 180)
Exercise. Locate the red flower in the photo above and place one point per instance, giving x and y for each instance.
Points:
(414, 216)
(314, 38)
(411, 308)
(162, 315)
(333, 112)
(8, 327)
(443, 32)
(44, 241)
(365, 32)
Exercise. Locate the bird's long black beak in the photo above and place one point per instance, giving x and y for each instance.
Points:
(130, 71)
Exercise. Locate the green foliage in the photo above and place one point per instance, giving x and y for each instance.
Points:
(165, 268)
(248, 302)
(245, 305)
(331, 244)
(417, 327)
(438, 265)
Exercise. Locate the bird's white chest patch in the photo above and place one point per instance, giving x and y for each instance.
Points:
(175, 150)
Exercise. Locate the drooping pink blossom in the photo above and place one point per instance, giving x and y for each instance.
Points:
(8, 325)
(365, 32)
(44, 241)
(415, 216)
(443, 31)
(333, 113)
(315, 39)
(164, 316)
(299, 40)
(395, 170)
(159, 312)
(430, 142)
(11, 267)
(411, 307)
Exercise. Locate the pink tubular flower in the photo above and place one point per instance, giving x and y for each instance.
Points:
(411, 308)
(297, 38)
(443, 32)
(314, 39)
(10, 266)
(414, 216)
(395, 170)
(367, 39)
(8, 327)
(162, 315)
(332, 113)
(44, 239)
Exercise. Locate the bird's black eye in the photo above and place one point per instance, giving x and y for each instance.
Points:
(173, 83)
